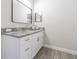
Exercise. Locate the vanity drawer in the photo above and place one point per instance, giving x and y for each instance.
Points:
(26, 40)
(26, 53)
(25, 43)
(26, 47)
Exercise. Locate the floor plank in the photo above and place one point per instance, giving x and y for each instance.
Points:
(46, 53)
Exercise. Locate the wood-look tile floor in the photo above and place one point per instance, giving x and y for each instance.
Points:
(46, 53)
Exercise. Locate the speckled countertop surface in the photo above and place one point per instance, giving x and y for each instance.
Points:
(20, 34)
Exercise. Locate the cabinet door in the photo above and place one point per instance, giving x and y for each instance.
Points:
(37, 43)
(40, 39)
(34, 46)
(10, 47)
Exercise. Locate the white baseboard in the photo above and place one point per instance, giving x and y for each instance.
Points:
(61, 49)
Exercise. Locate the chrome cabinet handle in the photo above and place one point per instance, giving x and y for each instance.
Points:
(27, 39)
(27, 49)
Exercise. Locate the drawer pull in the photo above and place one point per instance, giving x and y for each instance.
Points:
(27, 39)
(27, 49)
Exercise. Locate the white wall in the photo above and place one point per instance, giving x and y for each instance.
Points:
(6, 15)
(59, 20)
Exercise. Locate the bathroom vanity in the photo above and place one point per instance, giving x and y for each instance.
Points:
(19, 45)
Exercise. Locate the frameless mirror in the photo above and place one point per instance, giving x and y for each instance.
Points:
(21, 11)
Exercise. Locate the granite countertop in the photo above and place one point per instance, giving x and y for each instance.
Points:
(20, 34)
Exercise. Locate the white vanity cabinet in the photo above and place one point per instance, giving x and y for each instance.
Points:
(21, 48)
(38, 38)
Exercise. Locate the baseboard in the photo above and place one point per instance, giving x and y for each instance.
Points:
(61, 49)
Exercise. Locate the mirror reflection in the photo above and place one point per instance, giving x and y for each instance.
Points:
(21, 11)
